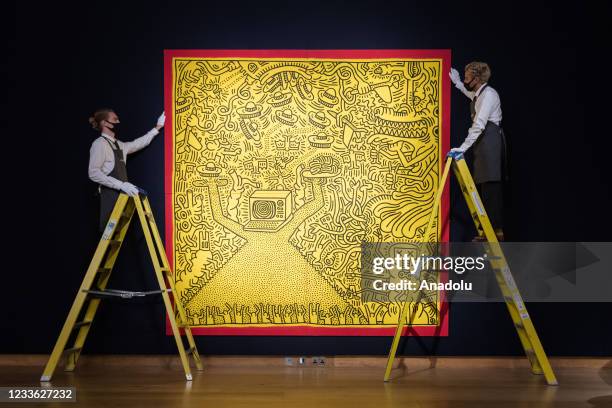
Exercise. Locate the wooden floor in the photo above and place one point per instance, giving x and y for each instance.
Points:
(454, 382)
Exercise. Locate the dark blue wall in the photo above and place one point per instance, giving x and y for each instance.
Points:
(547, 64)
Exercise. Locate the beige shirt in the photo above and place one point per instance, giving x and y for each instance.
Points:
(102, 158)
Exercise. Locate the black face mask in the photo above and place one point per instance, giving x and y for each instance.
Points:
(469, 86)
(115, 128)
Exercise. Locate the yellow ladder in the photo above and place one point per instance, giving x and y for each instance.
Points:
(100, 270)
(514, 302)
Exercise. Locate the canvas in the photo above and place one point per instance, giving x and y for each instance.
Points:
(279, 164)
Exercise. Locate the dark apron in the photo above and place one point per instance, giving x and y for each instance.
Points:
(108, 196)
(489, 152)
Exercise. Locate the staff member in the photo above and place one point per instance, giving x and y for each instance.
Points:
(487, 136)
(107, 158)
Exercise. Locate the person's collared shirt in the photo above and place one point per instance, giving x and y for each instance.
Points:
(488, 108)
(102, 158)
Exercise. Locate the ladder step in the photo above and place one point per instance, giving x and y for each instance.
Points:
(82, 323)
(103, 271)
(189, 350)
(114, 242)
(124, 294)
(71, 350)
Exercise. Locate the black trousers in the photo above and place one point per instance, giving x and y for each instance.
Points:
(491, 193)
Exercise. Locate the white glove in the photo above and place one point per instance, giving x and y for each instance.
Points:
(129, 189)
(161, 120)
(457, 150)
(454, 76)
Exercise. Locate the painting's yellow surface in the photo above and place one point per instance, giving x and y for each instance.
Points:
(282, 168)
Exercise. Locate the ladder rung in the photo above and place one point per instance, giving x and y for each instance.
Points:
(71, 350)
(124, 294)
(104, 270)
(114, 242)
(189, 350)
(82, 323)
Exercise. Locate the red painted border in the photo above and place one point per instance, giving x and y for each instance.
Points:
(444, 54)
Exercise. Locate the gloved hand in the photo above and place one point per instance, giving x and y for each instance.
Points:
(455, 150)
(161, 120)
(129, 189)
(454, 76)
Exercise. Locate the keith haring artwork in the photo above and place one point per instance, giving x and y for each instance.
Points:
(279, 164)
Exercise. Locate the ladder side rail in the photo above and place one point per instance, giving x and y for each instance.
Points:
(514, 302)
(184, 323)
(161, 281)
(118, 236)
(81, 296)
(402, 318)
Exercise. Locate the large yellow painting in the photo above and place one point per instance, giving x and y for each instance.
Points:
(280, 164)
